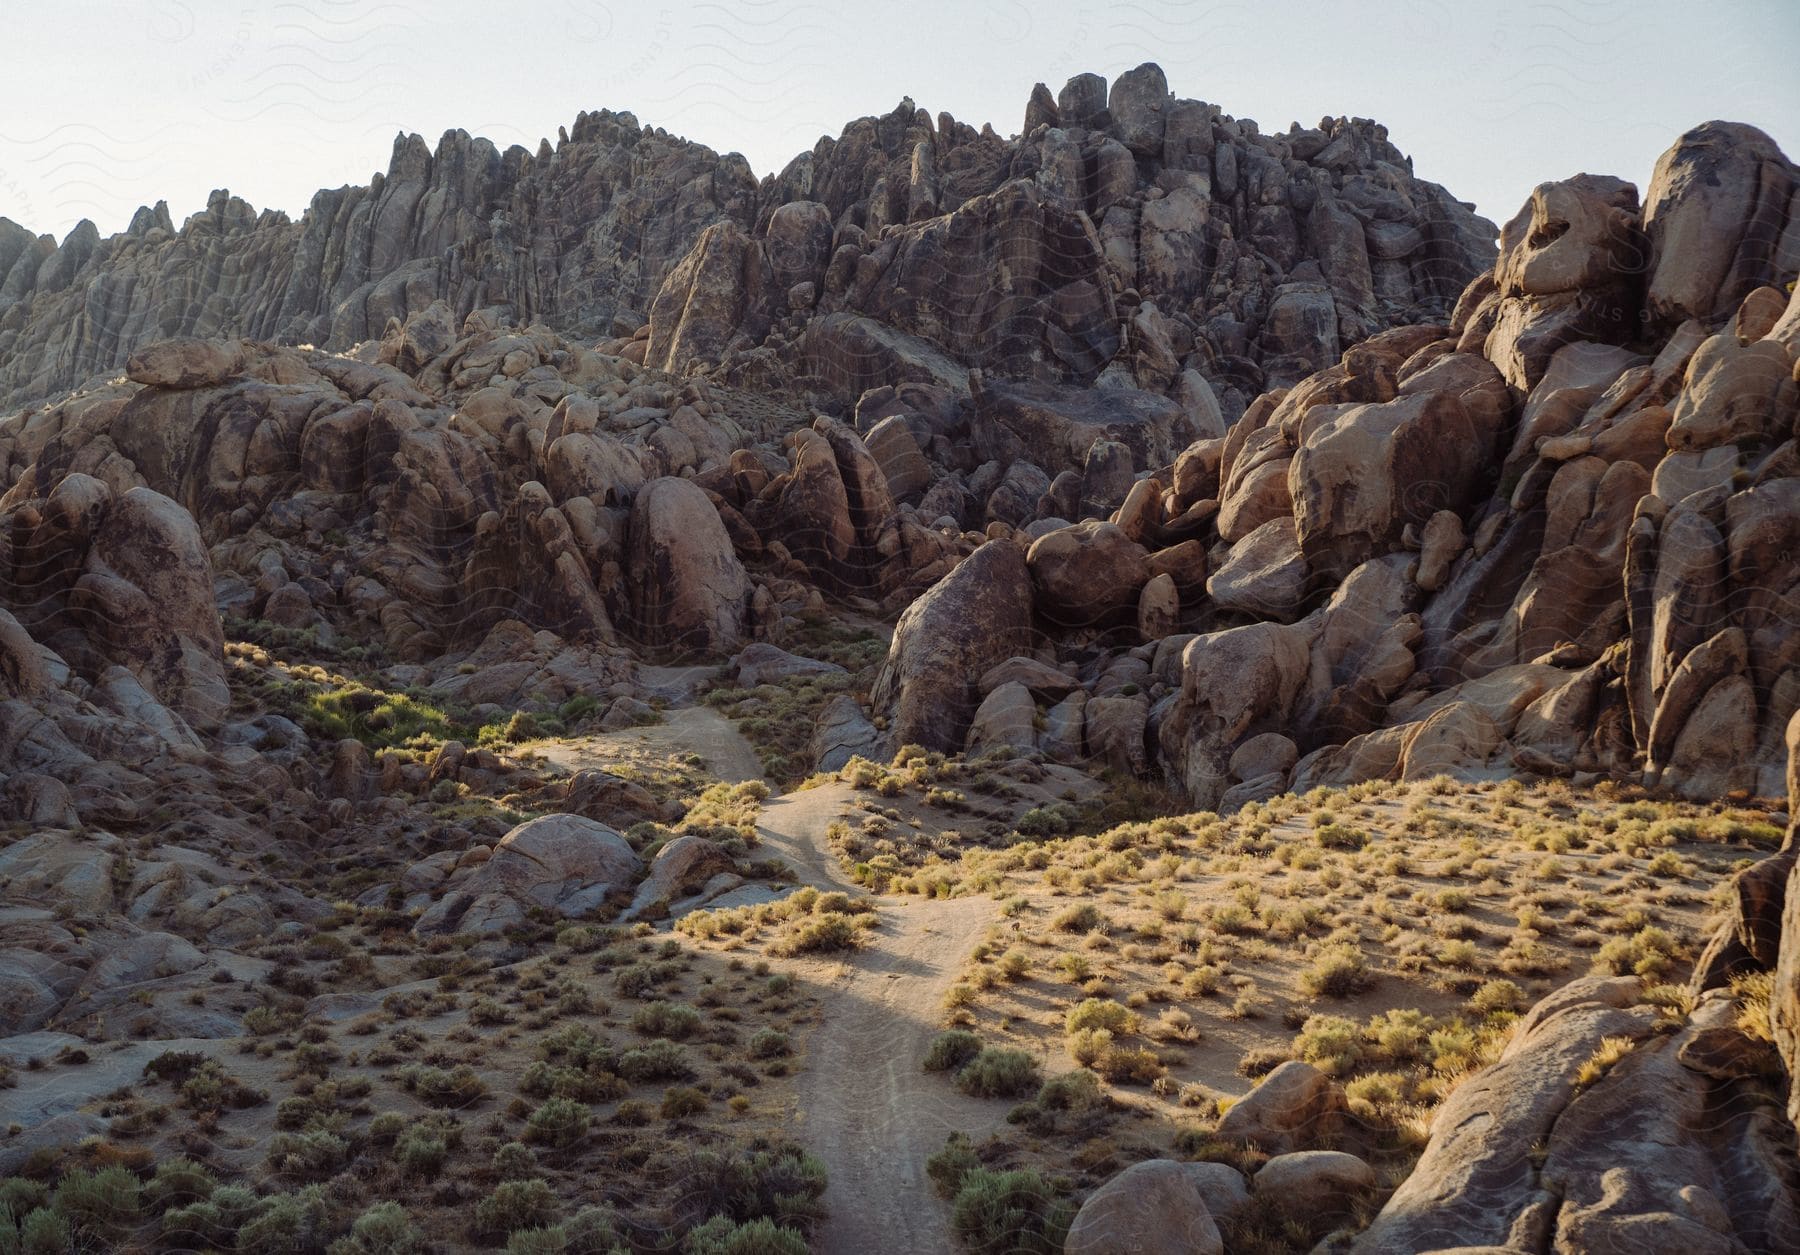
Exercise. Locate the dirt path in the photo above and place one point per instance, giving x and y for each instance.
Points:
(685, 730)
(864, 1106)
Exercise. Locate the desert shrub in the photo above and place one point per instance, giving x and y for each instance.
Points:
(591, 1231)
(1128, 1065)
(104, 1204)
(768, 1043)
(515, 1205)
(45, 1231)
(660, 1060)
(1341, 837)
(682, 1100)
(545, 1240)
(1338, 972)
(1496, 995)
(724, 1236)
(559, 1123)
(542, 1080)
(286, 1222)
(1073, 1091)
(781, 1182)
(458, 1087)
(178, 1182)
(998, 1072)
(1650, 952)
(1330, 1043)
(1010, 1213)
(949, 1166)
(1082, 918)
(384, 1229)
(951, 1049)
(674, 1020)
(213, 1222)
(514, 1161)
(1092, 1013)
(1086, 1045)
(819, 934)
(309, 1156)
(420, 1152)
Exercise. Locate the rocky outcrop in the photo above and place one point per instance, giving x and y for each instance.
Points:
(686, 585)
(570, 235)
(567, 864)
(978, 615)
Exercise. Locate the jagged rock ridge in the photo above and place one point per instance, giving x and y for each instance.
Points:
(1130, 229)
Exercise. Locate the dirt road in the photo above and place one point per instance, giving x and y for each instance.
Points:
(864, 1106)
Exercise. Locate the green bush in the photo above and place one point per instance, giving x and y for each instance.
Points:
(515, 1205)
(384, 1229)
(559, 1123)
(724, 1236)
(104, 1204)
(1010, 1213)
(674, 1020)
(769, 1043)
(949, 1166)
(951, 1049)
(998, 1072)
(1090, 1013)
(660, 1060)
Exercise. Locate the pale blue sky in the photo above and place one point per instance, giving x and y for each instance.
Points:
(106, 106)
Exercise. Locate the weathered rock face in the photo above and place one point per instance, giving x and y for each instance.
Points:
(1086, 575)
(687, 587)
(1719, 209)
(565, 863)
(569, 237)
(1571, 266)
(119, 580)
(1004, 254)
(1156, 1207)
(977, 616)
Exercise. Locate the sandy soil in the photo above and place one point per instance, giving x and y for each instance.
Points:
(863, 1104)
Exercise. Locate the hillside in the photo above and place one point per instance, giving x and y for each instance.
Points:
(1141, 686)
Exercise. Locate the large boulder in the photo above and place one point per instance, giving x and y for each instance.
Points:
(1156, 1207)
(1715, 211)
(1477, 1175)
(568, 864)
(975, 617)
(1086, 575)
(1570, 268)
(1294, 1106)
(1055, 426)
(688, 590)
(1363, 473)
